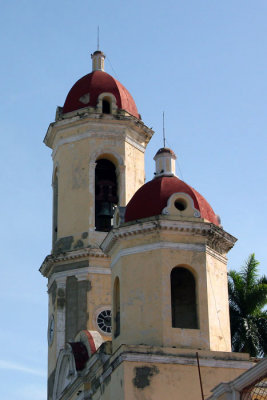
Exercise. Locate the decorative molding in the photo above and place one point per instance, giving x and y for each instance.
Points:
(86, 115)
(219, 240)
(106, 150)
(198, 247)
(216, 255)
(189, 210)
(216, 238)
(100, 99)
(81, 136)
(60, 281)
(135, 144)
(52, 259)
(65, 372)
(81, 274)
(99, 270)
(203, 362)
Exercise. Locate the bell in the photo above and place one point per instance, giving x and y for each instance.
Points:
(106, 210)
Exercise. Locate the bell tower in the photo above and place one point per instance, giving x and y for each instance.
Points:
(98, 141)
(170, 277)
(170, 315)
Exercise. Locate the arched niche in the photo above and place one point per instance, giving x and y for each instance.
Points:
(183, 298)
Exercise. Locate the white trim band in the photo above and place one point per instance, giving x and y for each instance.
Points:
(80, 274)
(155, 246)
(204, 362)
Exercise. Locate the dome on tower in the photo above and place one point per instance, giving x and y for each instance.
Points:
(152, 198)
(86, 91)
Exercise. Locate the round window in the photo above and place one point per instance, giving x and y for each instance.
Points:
(180, 204)
(103, 320)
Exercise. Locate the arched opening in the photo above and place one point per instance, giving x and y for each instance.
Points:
(183, 299)
(116, 308)
(105, 194)
(106, 107)
(55, 209)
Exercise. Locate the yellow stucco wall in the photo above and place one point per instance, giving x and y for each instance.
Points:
(173, 381)
(146, 295)
(217, 289)
(135, 172)
(147, 372)
(77, 144)
(76, 147)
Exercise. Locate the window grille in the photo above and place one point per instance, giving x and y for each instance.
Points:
(256, 391)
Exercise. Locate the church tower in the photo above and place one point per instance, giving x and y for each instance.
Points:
(137, 275)
(170, 294)
(170, 277)
(98, 142)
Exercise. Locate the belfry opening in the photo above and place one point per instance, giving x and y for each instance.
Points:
(105, 194)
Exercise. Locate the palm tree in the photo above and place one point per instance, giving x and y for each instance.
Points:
(248, 319)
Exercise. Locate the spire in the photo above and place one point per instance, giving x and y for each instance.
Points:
(163, 130)
(165, 162)
(98, 58)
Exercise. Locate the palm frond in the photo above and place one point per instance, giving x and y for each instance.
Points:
(247, 297)
(249, 272)
(256, 298)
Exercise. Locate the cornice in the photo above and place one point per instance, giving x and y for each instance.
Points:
(94, 119)
(216, 238)
(53, 259)
(80, 273)
(114, 132)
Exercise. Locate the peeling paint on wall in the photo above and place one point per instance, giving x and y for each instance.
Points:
(143, 376)
(63, 244)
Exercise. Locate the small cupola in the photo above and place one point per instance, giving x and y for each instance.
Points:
(98, 61)
(165, 162)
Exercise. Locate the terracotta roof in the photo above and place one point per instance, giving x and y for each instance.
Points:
(152, 197)
(165, 150)
(95, 83)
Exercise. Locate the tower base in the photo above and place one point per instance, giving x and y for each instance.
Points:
(148, 372)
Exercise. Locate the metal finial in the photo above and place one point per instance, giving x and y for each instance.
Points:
(98, 37)
(164, 140)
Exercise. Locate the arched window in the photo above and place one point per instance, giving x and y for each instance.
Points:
(55, 209)
(105, 194)
(183, 299)
(106, 109)
(116, 308)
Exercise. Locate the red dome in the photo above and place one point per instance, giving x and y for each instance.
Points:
(152, 197)
(95, 83)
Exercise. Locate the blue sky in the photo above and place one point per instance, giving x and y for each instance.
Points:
(201, 61)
